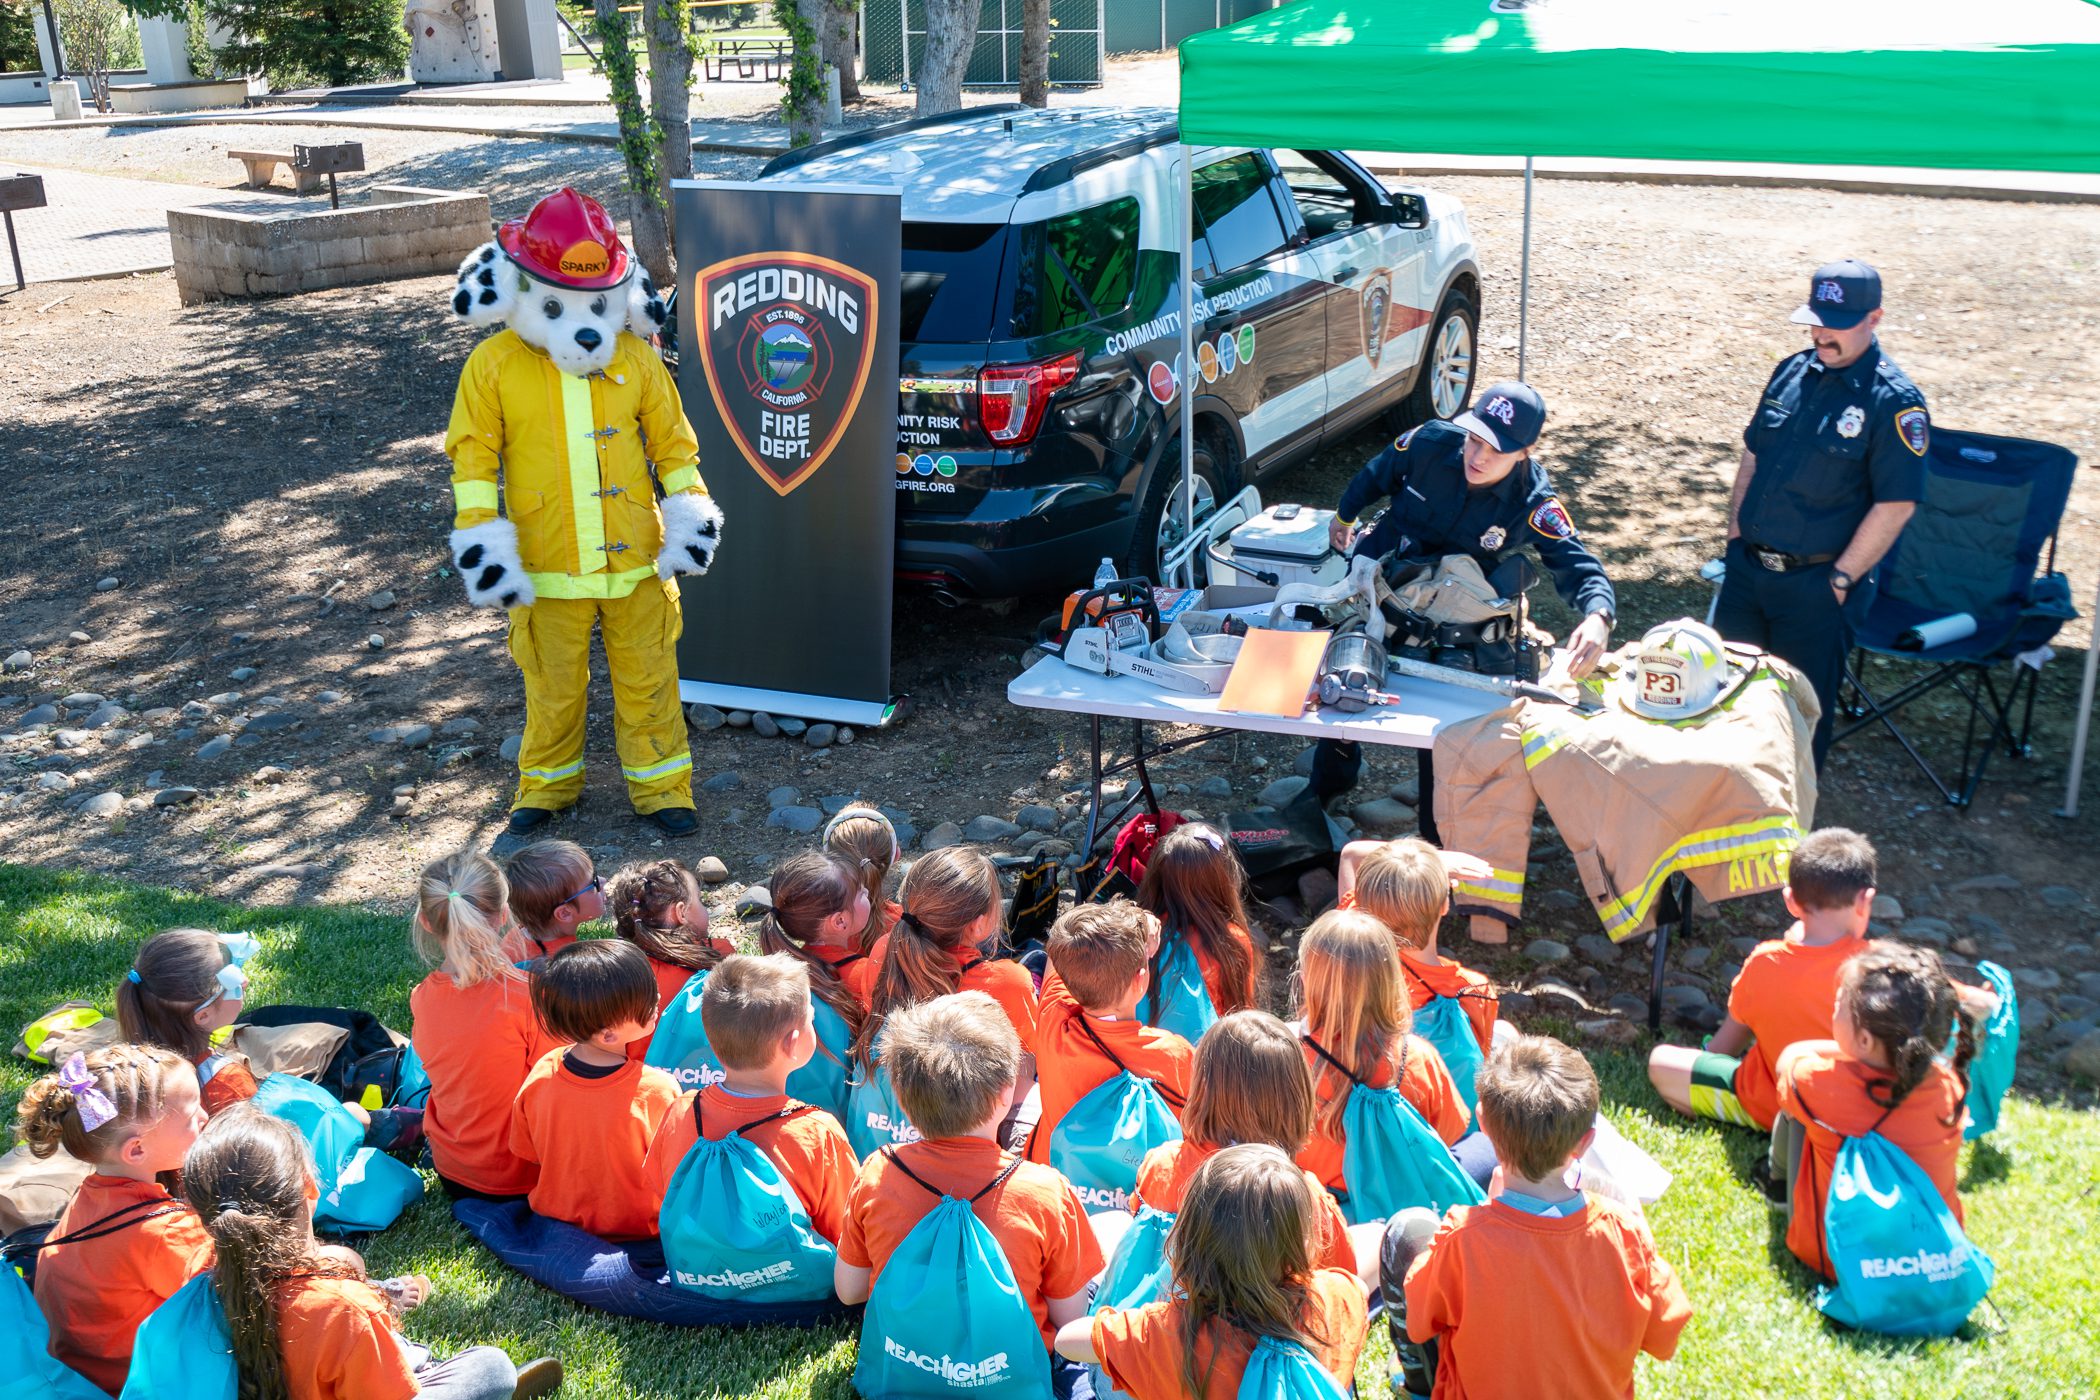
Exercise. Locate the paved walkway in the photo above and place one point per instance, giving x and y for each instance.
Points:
(104, 226)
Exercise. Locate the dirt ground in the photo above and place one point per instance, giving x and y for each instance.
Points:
(250, 475)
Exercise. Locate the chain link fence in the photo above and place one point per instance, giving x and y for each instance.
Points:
(893, 39)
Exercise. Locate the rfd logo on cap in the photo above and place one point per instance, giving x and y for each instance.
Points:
(585, 259)
(1830, 292)
(1499, 407)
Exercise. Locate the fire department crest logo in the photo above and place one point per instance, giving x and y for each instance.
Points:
(1374, 308)
(1851, 421)
(786, 344)
(1915, 430)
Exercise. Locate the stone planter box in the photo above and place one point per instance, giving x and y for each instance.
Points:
(393, 231)
(178, 97)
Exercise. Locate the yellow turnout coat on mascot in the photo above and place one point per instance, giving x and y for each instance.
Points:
(574, 459)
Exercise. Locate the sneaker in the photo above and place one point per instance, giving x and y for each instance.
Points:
(1773, 1190)
(672, 821)
(540, 1377)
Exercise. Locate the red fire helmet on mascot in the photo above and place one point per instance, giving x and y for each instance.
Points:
(567, 239)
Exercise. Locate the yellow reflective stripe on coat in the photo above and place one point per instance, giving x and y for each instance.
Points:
(606, 585)
(552, 775)
(1542, 743)
(1504, 887)
(1718, 846)
(683, 479)
(579, 431)
(669, 766)
(474, 495)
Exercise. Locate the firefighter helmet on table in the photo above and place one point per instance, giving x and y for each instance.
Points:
(1681, 669)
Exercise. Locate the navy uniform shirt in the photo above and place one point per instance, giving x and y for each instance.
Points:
(1830, 444)
(1435, 512)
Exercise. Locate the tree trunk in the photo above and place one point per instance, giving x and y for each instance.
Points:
(670, 98)
(1035, 52)
(639, 146)
(951, 36)
(803, 103)
(841, 29)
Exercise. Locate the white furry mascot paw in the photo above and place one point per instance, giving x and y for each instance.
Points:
(692, 529)
(486, 556)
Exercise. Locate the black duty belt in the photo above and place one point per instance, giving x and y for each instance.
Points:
(1780, 562)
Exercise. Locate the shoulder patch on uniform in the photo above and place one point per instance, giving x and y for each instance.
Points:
(1550, 518)
(1915, 429)
(1400, 443)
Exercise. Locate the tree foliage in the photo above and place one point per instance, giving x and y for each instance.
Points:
(17, 37)
(299, 43)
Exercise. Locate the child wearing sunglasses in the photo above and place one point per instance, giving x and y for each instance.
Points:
(185, 986)
(554, 891)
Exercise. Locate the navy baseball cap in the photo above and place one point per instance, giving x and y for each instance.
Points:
(1507, 417)
(1840, 295)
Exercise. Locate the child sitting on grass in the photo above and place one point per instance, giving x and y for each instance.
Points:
(306, 1324)
(1543, 1290)
(656, 906)
(762, 1025)
(554, 891)
(1406, 885)
(1193, 885)
(1785, 992)
(473, 1028)
(1246, 1260)
(123, 1245)
(1879, 1073)
(954, 1061)
(587, 1114)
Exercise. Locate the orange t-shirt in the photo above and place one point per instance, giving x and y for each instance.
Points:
(522, 945)
(591, 1137)
(809, 1147)
(1003, 980)
(1786, 992)
(1829, 1094)
(854, 968)
(477, 1045)
(1140, 1349)
(1424, 1082)
(95, 1292)
(1163, 1179)
(1034, 1214)
(231, 1082)
(1221, 996)
(1427, 980)
(1586, 1293)
(1069, 1065)
(339, 1342)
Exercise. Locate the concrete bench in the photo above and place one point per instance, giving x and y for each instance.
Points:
(262, 169)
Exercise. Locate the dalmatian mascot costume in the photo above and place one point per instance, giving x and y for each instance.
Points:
(601, 503)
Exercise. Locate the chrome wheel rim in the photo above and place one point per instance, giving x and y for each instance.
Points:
(1173, 521)
(1451, 368)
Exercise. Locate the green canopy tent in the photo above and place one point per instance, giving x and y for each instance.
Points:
(1956, 84)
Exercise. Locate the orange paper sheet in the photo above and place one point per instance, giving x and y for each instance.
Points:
(1274, 673)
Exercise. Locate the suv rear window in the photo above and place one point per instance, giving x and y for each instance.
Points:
(950, 271)
(1075, 268)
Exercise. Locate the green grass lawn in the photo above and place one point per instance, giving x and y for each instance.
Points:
(2029, 1191)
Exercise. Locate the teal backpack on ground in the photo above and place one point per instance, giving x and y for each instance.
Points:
(27, 1369)
(361, 1187)
(946, 1317)
(184, 1349)
(1903, 1265)
(1997, 1054)
(1179, 999)
(1102, 1140)
(1281, 1369)
(874, 1119)
(1391, 1158)
(733, 1227)
(1442, 1021)
(411, 1081)
(679, 1045)
(1136, 1276)
(824, 1081)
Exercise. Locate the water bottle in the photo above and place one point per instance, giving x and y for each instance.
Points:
(1106, 574)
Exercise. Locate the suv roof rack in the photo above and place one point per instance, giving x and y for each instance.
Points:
(791, 159)
(1068, 168)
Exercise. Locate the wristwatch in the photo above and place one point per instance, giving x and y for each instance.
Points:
(1841, 581)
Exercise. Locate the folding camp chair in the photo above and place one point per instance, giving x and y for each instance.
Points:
(1974, 549)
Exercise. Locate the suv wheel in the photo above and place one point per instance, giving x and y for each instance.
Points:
(1162, 518)
(1444, 385)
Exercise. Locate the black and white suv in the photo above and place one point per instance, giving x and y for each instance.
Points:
(1037, 429)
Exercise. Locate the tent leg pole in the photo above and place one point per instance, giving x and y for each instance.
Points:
(2085, 718)
(1185, 371)
(1524, 278)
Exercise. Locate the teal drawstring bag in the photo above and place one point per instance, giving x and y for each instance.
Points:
(946, 1318)
(1137, 1275)
(184, 1349)
(1102, 1141)
(361, 1187)
(874, 1119)
(1902, 1263)
(1997, 1054)
(1282, 1369)
(824, 1081)
(733, 1227)
(411, 1081)
(1442, 1021)
(27, 1369)
(1179, 999)
(1391, 1158)
(679, 1047)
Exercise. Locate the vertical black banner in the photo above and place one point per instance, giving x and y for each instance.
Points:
(787, 335)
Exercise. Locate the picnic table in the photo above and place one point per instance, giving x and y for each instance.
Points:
(764, 58)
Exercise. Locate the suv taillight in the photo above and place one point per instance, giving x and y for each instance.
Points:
(1011, 398)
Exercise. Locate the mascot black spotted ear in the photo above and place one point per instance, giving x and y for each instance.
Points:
(578, 500)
